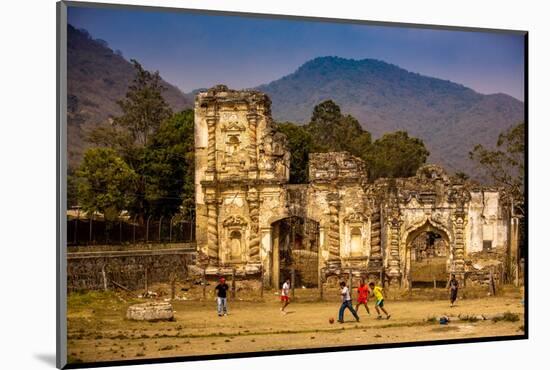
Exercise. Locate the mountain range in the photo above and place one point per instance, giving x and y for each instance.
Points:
(448, 117)
(97, 77)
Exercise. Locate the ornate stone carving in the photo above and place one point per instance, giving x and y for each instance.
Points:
(253, 206)
(252, 147)
(334, 227)
(234, 221)
(211, 122)
(355, 217)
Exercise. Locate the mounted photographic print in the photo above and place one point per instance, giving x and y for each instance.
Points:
(236, 185)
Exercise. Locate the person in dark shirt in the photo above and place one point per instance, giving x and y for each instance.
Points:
(221, 291)
(453, 289)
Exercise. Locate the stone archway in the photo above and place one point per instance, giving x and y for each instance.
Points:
(427, 256)
(295, 245)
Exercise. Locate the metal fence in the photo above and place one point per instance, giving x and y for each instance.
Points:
(90, 231)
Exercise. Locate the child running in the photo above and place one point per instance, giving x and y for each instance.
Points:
(285, 298)
(379, 305)
(362, 296)
(346, 303)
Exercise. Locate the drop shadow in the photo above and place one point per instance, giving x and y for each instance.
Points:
(47, 358)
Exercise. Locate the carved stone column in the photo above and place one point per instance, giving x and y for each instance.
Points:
(212, 228)
(252, 147)
(375, 234)
(333, 231)
(459, 223)
(253, 209)
(211, 123)
(460, 198)
(394, 265)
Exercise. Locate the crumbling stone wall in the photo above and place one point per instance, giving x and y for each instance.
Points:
(242, 193)
(131, 269)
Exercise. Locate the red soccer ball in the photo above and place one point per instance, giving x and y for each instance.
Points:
(331, 320)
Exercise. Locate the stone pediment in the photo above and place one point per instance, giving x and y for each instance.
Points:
(233, 126)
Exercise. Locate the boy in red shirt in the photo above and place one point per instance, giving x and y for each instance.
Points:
(362, 296)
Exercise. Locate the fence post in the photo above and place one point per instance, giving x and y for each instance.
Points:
(160, 227)
(192, 225)
(147, 230)
(120, 231)
(75, 229)
(292, 280)
(104, 277)
(173, 277)
(134, 232)
(171, 222)
(233, 284)
(146, 279)
(91, 222)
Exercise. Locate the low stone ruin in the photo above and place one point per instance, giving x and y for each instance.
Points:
(152, 311)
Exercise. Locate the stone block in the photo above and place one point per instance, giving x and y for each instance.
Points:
(151, 311)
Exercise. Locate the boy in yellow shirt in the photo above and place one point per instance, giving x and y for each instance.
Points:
(379, 305)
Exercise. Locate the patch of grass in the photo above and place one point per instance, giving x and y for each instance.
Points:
(431, 319)
(166, 348)
(508, 316)
(87, 299)
(140, 354)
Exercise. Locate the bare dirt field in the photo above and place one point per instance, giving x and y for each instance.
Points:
(98, 330)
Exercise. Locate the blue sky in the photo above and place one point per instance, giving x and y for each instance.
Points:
(198, 50)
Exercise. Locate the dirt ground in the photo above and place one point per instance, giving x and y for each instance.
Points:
(98, 330)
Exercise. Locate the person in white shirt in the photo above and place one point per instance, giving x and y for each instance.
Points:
(285, 297)
(346, 303)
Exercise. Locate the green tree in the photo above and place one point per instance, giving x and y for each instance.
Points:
(300, 145)
(168, 167)
(143, 111)
(332, 131)
(395, 155)
(155, 143)
(144, 108)
(505, 164)
(105, 183)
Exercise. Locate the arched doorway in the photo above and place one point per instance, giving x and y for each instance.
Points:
(428, 257)
(295, 248)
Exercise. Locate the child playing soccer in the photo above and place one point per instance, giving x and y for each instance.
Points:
(362, 296)
(379, 305)
(285, 298)
(346, 303)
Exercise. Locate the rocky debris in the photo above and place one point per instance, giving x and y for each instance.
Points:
(152, 311)
(148, 294)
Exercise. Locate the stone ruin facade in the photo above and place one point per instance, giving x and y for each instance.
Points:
(252, 221)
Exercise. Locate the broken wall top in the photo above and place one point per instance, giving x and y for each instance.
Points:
(336, 166)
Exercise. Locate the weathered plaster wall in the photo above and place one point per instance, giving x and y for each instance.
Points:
(242, 172)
